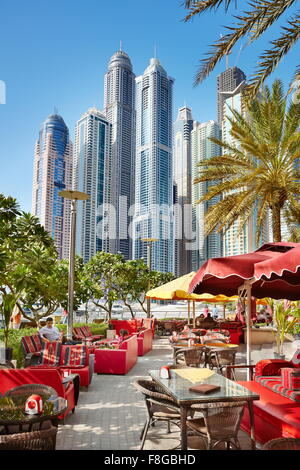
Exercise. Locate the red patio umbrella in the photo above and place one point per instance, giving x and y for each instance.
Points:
(271, 271)
(274, 271)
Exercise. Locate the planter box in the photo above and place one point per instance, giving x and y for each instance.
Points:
(260, 335)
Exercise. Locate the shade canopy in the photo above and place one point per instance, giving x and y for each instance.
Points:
(178, 290)
(273, 269)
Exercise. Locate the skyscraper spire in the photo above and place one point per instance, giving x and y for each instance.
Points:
(153, 182)
(119, 97)
(53, 166)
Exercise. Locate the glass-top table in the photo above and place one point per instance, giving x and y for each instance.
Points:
(181, 380)
(15, 420)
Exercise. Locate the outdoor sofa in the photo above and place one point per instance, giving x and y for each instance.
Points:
(144, 339)
(134, 325)
(277, 412)
(75, 359)
(117, 361)
(10, 378)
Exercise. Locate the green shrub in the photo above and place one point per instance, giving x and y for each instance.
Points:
(14, 342)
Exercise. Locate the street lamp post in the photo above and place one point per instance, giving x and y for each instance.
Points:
(74, 196)
(149, 242)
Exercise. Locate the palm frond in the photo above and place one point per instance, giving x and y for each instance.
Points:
(262, 16)
(223, 214)
(269, 60)
(197, 7)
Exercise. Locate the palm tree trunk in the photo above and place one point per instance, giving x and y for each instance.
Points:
(276, 224)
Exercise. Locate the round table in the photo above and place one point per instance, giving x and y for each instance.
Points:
(27, 423)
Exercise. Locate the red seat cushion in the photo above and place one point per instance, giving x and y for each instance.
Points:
(28, 344)
(74, 356)
(51, 353)
(290, 378)
(275, 415)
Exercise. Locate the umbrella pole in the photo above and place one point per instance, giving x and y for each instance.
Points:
(245, 291)
(248, 317)
(189, 312)
(194, 319)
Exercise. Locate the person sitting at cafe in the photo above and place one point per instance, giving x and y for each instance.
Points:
(262, 317)
(50, 333)
(174, 337)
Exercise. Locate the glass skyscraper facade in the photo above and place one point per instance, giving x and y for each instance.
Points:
(206, 246)
(236, 240)
(182, 175)
(92, 153)
(53, 166)
(153, 214)
(119, 109)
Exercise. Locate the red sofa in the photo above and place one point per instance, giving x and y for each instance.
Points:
(277, 412)
(10, 378)
(85, 371)
(235, 329)
(133, 325)
(144, 339)
(117, 361)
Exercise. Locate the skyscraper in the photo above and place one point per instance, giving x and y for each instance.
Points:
(92, 153)
(53, 165)
(238, 241)
(206, 246)
(227, 84)
(182, 175)
(119, 97)
(153, 215)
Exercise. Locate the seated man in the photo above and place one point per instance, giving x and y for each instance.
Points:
(50, 333)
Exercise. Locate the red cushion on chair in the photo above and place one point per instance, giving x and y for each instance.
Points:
(50, 354)
(28, 344)
(36, 339)
(75, 356)
(290, 378)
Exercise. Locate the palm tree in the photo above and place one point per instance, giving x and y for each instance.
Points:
(260, 166)
(251, 22)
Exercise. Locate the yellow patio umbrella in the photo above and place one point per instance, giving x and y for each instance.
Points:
(178, 290)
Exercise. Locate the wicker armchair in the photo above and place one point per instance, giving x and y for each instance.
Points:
(282, 444)
(220, 423)
(44, 439)
(160, 406)
(190, 357)
(220, 358)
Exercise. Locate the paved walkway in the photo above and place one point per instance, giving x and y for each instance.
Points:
(111, 413)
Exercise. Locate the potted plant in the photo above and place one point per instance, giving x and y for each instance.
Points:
(7, 306)
(110, 332)
(285, 319)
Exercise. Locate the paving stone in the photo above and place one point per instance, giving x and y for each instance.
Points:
(111, 413)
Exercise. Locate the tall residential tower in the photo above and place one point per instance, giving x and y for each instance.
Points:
(53, 173)
(227, 83)
(92, 153)
(206, 246)
(182, 175)
(119, 109)
(153, 215)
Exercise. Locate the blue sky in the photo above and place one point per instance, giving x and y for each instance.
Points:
(55, 54)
